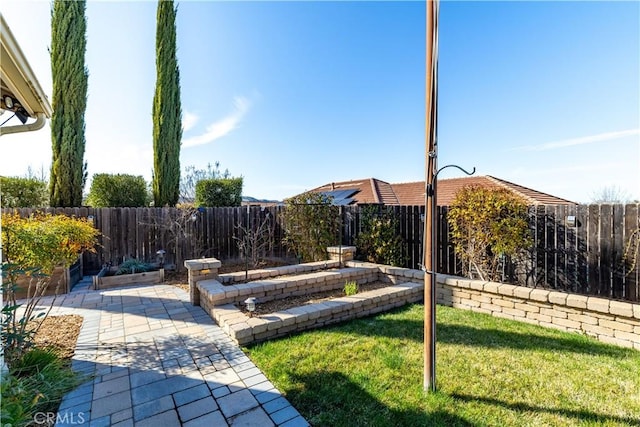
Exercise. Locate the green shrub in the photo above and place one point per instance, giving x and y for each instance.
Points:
(378, 240)
(350, 288)
(488, 225)
(45, 241)
(121, 190)
(223, 192)
(33, 247)
(23, 192)
(191, 176)
(311, 225)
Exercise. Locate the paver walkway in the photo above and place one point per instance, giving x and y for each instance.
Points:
(156, 360)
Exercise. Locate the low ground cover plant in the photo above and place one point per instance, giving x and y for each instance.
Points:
(350, 288)
(490, 372)
(35, 384)
(132, 266)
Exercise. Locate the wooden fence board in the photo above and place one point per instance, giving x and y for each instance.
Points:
(593, 250)
(582, 253)
(617, 264)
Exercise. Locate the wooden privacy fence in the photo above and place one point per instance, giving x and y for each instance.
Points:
(182, 233)
(576, 248)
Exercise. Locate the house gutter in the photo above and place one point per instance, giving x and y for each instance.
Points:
(29, 127)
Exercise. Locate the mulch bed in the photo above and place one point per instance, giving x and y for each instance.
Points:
(60, 333)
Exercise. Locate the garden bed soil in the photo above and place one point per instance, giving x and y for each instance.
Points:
(180, 279)
(298, 300)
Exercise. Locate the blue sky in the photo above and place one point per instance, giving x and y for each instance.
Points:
(292, 95)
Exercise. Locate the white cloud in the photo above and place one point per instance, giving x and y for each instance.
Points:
(223, 126)
(607, 136)
(189, 120)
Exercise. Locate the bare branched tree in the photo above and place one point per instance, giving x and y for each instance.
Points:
(610, 194)
(255, 240)
(177, 231)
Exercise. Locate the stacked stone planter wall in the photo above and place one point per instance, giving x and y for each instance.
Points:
(613, 322)
(219, 296)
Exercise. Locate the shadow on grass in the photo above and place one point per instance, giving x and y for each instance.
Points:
(484, 337)
(331, 399)
(580, 415)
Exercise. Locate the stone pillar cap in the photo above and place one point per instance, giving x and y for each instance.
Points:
(202, 264)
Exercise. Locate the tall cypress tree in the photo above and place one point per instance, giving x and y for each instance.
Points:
(70, 76)
(167, 111)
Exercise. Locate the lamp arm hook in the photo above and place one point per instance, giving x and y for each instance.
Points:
(435, 176)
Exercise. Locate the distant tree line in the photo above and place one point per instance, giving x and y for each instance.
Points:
(199, 188)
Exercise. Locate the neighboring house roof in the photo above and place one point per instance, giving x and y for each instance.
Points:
(369, 190)
(373, 190)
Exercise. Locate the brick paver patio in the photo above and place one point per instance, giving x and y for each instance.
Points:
(156, 360)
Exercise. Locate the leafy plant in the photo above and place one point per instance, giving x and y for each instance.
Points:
(45, 241)
(350, 288)
(117, 190)
(379, 240)
(488, 225)
(19, 192)
(311, 225)
(132, 266)
(33, 247)
(191, 176)
(222, 192)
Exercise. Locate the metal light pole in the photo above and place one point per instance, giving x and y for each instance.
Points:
(430, 196)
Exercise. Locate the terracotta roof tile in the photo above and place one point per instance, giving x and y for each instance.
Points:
(371, 190)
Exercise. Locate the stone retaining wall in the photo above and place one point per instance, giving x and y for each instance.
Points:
(613, 322)
(245, 330)
(219, 294)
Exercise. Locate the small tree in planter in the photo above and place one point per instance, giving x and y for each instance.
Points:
(487, 227)
(33, 247)
(254, 240)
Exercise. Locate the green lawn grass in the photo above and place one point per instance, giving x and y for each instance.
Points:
(490, 372)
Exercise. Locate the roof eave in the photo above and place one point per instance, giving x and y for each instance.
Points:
(18, 77)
